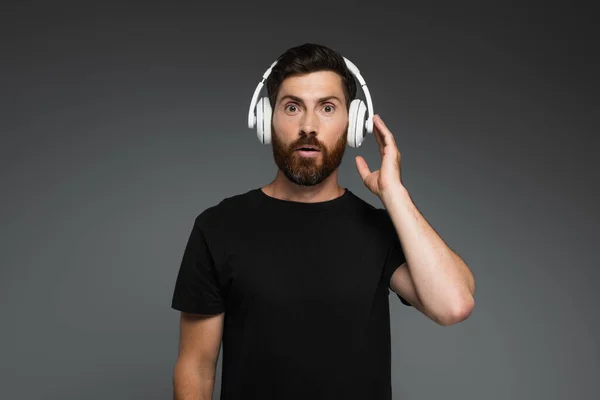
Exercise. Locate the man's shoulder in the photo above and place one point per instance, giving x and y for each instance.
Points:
(228, 207)
(368, 209)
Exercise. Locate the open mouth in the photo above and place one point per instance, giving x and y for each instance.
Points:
(308, 151)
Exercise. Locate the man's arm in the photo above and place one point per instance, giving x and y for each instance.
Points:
(439, 278)
(199, 345)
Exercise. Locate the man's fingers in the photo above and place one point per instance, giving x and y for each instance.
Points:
(363, 168)
(386, 135)
(378, 137)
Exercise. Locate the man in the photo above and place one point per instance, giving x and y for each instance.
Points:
(293, 277)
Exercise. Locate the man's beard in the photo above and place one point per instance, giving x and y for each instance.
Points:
(308, 171)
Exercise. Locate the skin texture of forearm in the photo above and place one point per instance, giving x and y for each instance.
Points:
(443, 282)
(189, 384)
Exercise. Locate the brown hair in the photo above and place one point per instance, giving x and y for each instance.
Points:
(306, 58)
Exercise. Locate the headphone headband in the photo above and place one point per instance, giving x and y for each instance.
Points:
(353, 70)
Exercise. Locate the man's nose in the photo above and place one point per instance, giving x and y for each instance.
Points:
(309, 123)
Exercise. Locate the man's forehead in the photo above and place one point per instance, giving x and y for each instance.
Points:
(312, 87)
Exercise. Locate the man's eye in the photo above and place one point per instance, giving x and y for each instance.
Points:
(328, 107)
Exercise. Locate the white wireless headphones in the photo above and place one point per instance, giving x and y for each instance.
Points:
(357, 124)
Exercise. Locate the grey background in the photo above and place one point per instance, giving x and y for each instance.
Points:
(120, 123)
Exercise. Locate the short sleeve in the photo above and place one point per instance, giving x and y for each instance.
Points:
(196, 288)
(395, 255)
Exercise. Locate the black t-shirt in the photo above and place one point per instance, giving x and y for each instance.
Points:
(304, 288)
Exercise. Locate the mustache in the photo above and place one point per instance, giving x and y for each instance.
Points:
(310, 141)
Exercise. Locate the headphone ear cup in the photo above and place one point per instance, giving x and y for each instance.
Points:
(263, 120)
(359, 131)
(356, 123)
(352, 122)
(259, 120)
(267, 115)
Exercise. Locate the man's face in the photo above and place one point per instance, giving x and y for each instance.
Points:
(306, 114)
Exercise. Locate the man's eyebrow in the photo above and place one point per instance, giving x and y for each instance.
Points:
(299, 100)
